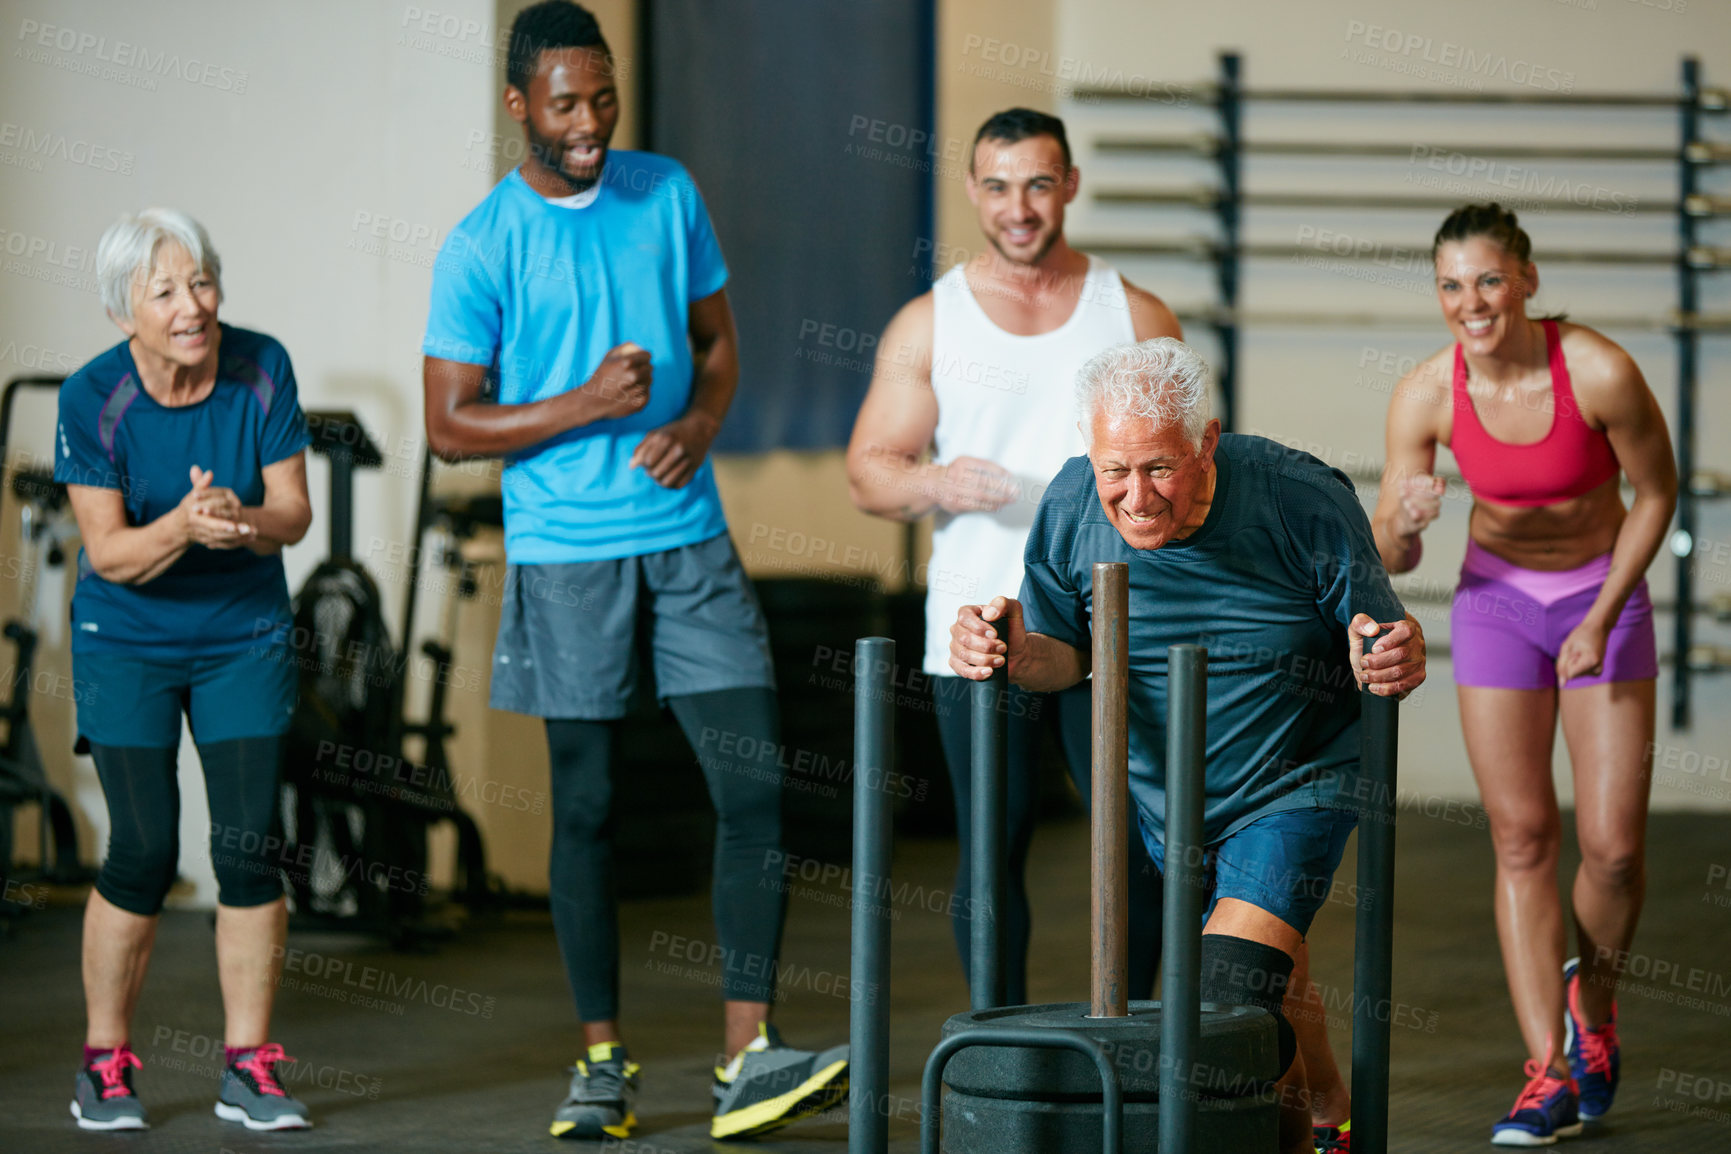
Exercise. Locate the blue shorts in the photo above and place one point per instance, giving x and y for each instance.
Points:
(136, 702)
(1283, 863)
(568, 631)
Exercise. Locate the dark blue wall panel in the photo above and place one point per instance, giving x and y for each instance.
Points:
(805, 123)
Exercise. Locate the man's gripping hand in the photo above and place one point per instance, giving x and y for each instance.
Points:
(1394, 666)
(986, 638)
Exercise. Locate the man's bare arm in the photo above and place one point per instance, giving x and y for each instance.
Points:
(896, 423)
(461, 424)
(1149, 316)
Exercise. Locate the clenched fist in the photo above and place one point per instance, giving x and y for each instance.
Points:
(620, 383)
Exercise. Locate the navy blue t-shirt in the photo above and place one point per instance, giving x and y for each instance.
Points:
(1268, 584)
(112, 435)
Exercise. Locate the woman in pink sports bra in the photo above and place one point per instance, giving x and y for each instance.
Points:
(1551, 618)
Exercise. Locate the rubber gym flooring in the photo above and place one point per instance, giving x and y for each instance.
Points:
(464, 1050)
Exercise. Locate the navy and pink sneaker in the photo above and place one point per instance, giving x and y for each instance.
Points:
(1593, 1051)
(1548, 1109)
(252, 1096)
(102, 1097)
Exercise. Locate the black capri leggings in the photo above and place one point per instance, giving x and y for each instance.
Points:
(143, 795)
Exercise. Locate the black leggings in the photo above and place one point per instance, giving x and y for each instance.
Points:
(1029, 715)
(748, 898)
(140, 786)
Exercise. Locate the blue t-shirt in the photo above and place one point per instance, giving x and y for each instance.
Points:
(1268, 584)
(540, 292)
(112, 435)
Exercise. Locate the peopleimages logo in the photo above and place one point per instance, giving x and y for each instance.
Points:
(1448, 61)
(36, 145)
(1540, 186)
(90, 52)
(1059, 74)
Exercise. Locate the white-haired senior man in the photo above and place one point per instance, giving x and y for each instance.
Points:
(1264, 556)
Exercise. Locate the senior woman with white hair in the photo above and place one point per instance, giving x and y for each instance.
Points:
(182, 449)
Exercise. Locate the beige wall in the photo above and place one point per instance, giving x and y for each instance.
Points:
(976, 78)
(1609, 45)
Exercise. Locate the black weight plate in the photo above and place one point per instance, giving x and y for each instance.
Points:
(1236, 1056)
(975, 1125)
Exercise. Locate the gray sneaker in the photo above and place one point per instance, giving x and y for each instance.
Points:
(602, 1095)
(769, 1085)
(252, 1096)
(102, 1097)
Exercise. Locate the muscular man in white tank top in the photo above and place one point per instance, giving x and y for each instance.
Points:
(980, 370)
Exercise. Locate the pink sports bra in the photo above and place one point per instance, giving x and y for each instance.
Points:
(1570, 460)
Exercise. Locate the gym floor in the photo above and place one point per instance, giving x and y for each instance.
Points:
(463, 1050)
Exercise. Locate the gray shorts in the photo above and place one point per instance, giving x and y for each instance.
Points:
(567, 643)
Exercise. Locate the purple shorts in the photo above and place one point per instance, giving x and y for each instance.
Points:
(1508, 624)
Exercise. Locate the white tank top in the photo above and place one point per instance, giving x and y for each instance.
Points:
(1008, 399)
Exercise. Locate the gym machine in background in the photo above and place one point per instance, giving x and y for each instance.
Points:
(1142, 1076)
(45, 530)
(458, 519)
(353, 805)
